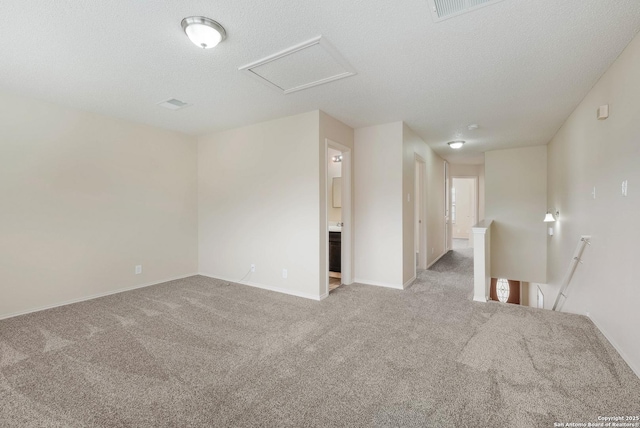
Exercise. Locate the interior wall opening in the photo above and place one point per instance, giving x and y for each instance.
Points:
(339, 216)
(334, 216)
(464, 209)
(420, 224)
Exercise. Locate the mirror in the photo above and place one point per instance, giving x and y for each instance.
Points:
(337, 192)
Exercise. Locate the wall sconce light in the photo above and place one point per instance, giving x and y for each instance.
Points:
(550, 218)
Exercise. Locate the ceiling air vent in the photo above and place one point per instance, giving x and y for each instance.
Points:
(445, 9)
(173, 104)
(299, 67)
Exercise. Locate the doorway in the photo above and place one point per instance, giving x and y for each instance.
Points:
(464, 207)
(447, 205)
(420, 224)
(339, 217)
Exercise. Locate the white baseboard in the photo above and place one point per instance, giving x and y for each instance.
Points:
(379, 284)
(93, 296)
(311, 296)
(408, 283)
(624, 356)
(480, 299)
(436, 260)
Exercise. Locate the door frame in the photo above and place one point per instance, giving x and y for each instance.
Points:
(447, 208)
(346, 250)
(420, 197)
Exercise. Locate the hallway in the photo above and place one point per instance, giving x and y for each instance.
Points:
(453, 272)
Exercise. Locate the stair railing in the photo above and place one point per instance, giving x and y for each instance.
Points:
(575, 261)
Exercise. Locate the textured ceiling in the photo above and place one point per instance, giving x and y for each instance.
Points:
(516, 68)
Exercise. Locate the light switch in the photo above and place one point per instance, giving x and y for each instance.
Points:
(603, 112)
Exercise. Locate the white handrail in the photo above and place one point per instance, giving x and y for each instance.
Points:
(575, 260)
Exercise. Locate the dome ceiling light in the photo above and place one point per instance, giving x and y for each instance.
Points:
(456, 144)
(205, 33)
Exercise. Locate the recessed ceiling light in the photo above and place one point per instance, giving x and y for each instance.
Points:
(456, 144)
(203, 32)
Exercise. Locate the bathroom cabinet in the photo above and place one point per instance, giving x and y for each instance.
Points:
(335, 244)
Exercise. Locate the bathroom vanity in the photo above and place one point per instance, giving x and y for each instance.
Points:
(335, 244)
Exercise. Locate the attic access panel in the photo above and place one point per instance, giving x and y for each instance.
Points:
(312, 63)
(445, 9)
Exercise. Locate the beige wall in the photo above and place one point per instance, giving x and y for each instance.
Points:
(516, 188)
(259, 204)
(434, 188)
(85, 198)
(589, 153)
(378, 205)
(385, 216)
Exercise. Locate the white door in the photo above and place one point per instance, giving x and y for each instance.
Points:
(463, 207)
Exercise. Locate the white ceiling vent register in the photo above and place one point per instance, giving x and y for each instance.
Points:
(302, 66)
(445, 9)
(173, 104)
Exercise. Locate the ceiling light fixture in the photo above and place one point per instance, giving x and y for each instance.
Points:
(337, 158)
(456, 144)
(203, 32)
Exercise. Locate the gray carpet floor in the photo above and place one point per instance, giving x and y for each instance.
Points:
(202, 352)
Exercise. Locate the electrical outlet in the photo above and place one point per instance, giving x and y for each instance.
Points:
(285, 273)
(253, 267)
(138, 270)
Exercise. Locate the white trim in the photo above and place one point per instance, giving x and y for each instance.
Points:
(624, 356)
(448, 227)
(436, 260)
(408, 283)
(324, 296)
(378, 284)
(310, 296)
(420, 195)
(94, 296)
